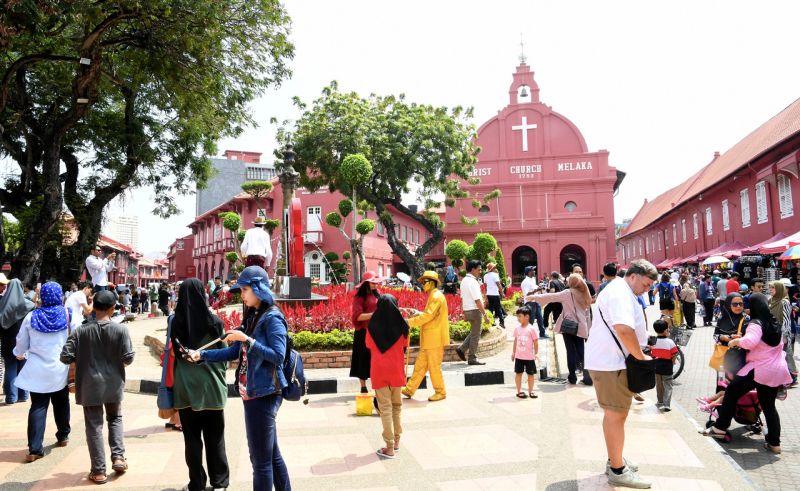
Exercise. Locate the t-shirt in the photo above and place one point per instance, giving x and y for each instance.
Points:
(529, 285)
(722, 289)
(524, 337)
(491, 280)
(618, 305)
(73, 303)
(663, 352)
(470, 292)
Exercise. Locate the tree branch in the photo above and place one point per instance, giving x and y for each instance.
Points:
(22, 63)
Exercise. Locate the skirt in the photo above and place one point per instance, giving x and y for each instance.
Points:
(359, 363)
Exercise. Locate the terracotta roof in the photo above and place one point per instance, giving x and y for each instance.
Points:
(783, 125)
(113, 244)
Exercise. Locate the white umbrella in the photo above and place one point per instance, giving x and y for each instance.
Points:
(403, 277)
(716, 260)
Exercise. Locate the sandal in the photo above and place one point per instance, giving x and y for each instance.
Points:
(774, 449)
(120, 465)
(714, 433)
(522, 395)
(381, 452)
(98, 478)
(177, 427)
(533, 396)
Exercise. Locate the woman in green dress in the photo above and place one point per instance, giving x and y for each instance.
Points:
(199, 389)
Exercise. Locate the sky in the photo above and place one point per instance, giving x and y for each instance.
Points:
(660, 85)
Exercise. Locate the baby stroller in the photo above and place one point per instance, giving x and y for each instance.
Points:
(747, 412)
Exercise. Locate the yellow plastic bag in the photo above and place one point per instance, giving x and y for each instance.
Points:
(364, 404)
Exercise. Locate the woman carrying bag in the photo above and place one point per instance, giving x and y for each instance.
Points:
(764, 369)
(14, 306)
(729, 326)
(200, 390)
(573, 323)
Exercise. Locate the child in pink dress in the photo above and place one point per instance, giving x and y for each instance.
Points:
(526, 347)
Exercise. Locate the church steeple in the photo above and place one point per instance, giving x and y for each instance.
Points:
(524, 89)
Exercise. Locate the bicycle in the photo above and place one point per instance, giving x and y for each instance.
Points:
(681, 337)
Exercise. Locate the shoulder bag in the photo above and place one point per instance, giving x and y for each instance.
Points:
(641, 373)
(736, 357)
(718, 356)
(570, 326)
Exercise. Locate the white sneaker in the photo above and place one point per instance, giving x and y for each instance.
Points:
(628, 479)
(628, 463)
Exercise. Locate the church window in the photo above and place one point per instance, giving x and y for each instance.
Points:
(695, 226)
(570, 205)
(709, 225)
(761, 202)
(484, 210)
(726, 222)
(785, 196)
(744, 195)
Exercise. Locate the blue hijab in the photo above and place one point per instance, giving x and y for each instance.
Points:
(51, 316)
(451, 275)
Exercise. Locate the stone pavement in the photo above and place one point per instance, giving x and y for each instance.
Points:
(773, 472)
(478, 438)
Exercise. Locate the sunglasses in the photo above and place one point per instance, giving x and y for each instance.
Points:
(737, 304)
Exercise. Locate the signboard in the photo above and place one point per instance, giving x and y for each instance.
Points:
(191, 271)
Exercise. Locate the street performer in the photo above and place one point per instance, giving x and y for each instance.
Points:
(256, 246)
(434, 335)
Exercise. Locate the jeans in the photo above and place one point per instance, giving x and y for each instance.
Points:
(262, 440)
(470, 343)
(37, 418)
(766, 397)
(708, 314)
(689, 313)
(12, 392)
(574, 345)
(206, 425)
(536, 313)
(664, 389)
(496, 308)
(93, 416)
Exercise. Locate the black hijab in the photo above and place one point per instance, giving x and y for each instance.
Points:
(193, 320)
(387, 323)
(728, 323)
(759, 312)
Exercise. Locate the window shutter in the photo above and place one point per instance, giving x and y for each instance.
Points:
(761, 202)
(744, 194)
(709, 225)
(683, 229)
(695, 226)
(726, 224)
(785, 196)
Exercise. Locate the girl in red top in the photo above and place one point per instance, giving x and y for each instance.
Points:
(387, 338)
(364, 303)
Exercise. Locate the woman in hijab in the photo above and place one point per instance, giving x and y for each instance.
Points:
(765, 369)
(199, 390)
(261, 349)
(450, 281)
(781, 309)
(41, 337)
(14, 306)
(386, 338)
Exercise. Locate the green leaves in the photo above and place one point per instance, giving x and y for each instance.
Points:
(333, 219)
(257, 189)
(365, 226)
(355, 170)
(345, 207)
(456, 249)
(230, 220)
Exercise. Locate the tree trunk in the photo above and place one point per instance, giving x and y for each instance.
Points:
(2, 237)
(362, 262)
(357, 261)
(28, 261)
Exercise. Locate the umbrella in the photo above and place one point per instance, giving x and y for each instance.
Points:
(791, 254)
(716, 260)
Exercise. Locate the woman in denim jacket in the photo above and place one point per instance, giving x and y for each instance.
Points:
(260, 348)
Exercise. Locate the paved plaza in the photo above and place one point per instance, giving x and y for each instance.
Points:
(478, 438)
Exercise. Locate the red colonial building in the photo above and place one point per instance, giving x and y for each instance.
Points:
(179, 257)
(211, 240)
(556, 206)
(743, 197)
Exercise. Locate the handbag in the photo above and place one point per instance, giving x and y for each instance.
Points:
(641, 373)
(71, 372)
(166, 400)
(718, 356)
(570, 326)
(735, 358)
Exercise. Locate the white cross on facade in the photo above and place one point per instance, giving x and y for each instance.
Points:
(524, 127)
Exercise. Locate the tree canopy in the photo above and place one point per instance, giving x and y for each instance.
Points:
(412, 147)
(121, 95)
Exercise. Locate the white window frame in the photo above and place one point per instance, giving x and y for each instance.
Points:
(640, 247)
(647, 245)
(683, 229)
(666, 238)
(785, 196)
(695, 226)
(314, 219)
(674, 234)
(709, 223)
(726, 219)
(658, 242)
(744, 196)
(762, 210)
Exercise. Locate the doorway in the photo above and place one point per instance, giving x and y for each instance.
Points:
(570, 255)
(522, 257)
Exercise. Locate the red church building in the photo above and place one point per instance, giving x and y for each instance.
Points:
(556, 205)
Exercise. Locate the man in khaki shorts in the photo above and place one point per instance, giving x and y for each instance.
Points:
(619, 311)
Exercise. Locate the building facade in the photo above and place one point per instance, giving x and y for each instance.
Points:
(556, 205)
(124, 229)
(742, 197)
(179, 257)
(211, 240)
(230, 173)
(152, 271)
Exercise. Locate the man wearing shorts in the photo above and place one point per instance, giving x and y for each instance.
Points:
(619, 315)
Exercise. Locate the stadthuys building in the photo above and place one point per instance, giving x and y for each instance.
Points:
(556, 205)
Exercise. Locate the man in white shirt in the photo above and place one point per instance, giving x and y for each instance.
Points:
(618, 329)
(474, 312)
(98, 268)
(494, 289)
(530, 286)
(78, 303)
(256, 247)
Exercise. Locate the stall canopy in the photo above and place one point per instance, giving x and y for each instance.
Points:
(728, 249)
(755, 249)
(780, 245)
(666, 263)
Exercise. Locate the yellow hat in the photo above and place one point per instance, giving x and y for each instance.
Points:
(429, 275)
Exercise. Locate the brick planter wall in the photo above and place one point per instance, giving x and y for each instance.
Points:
(490, 344)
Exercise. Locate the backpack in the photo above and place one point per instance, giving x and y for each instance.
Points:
(294, 373)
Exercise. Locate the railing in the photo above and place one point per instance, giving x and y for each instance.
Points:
(312, 237)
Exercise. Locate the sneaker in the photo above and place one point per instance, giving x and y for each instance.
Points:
(33, 457)
(659, 405)
(666, 409)
(628, 479)
(631, 465)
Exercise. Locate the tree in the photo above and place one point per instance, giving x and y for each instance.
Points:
(431, 148)
(456, 250)
(258, 190)
(501, 266)
(124, 95)
(362, 228)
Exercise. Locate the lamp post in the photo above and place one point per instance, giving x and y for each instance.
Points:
(289, 180)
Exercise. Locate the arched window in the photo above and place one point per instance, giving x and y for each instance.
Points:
(484, 210)
(570, 206)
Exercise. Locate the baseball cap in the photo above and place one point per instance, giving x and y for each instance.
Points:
(104, 300)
